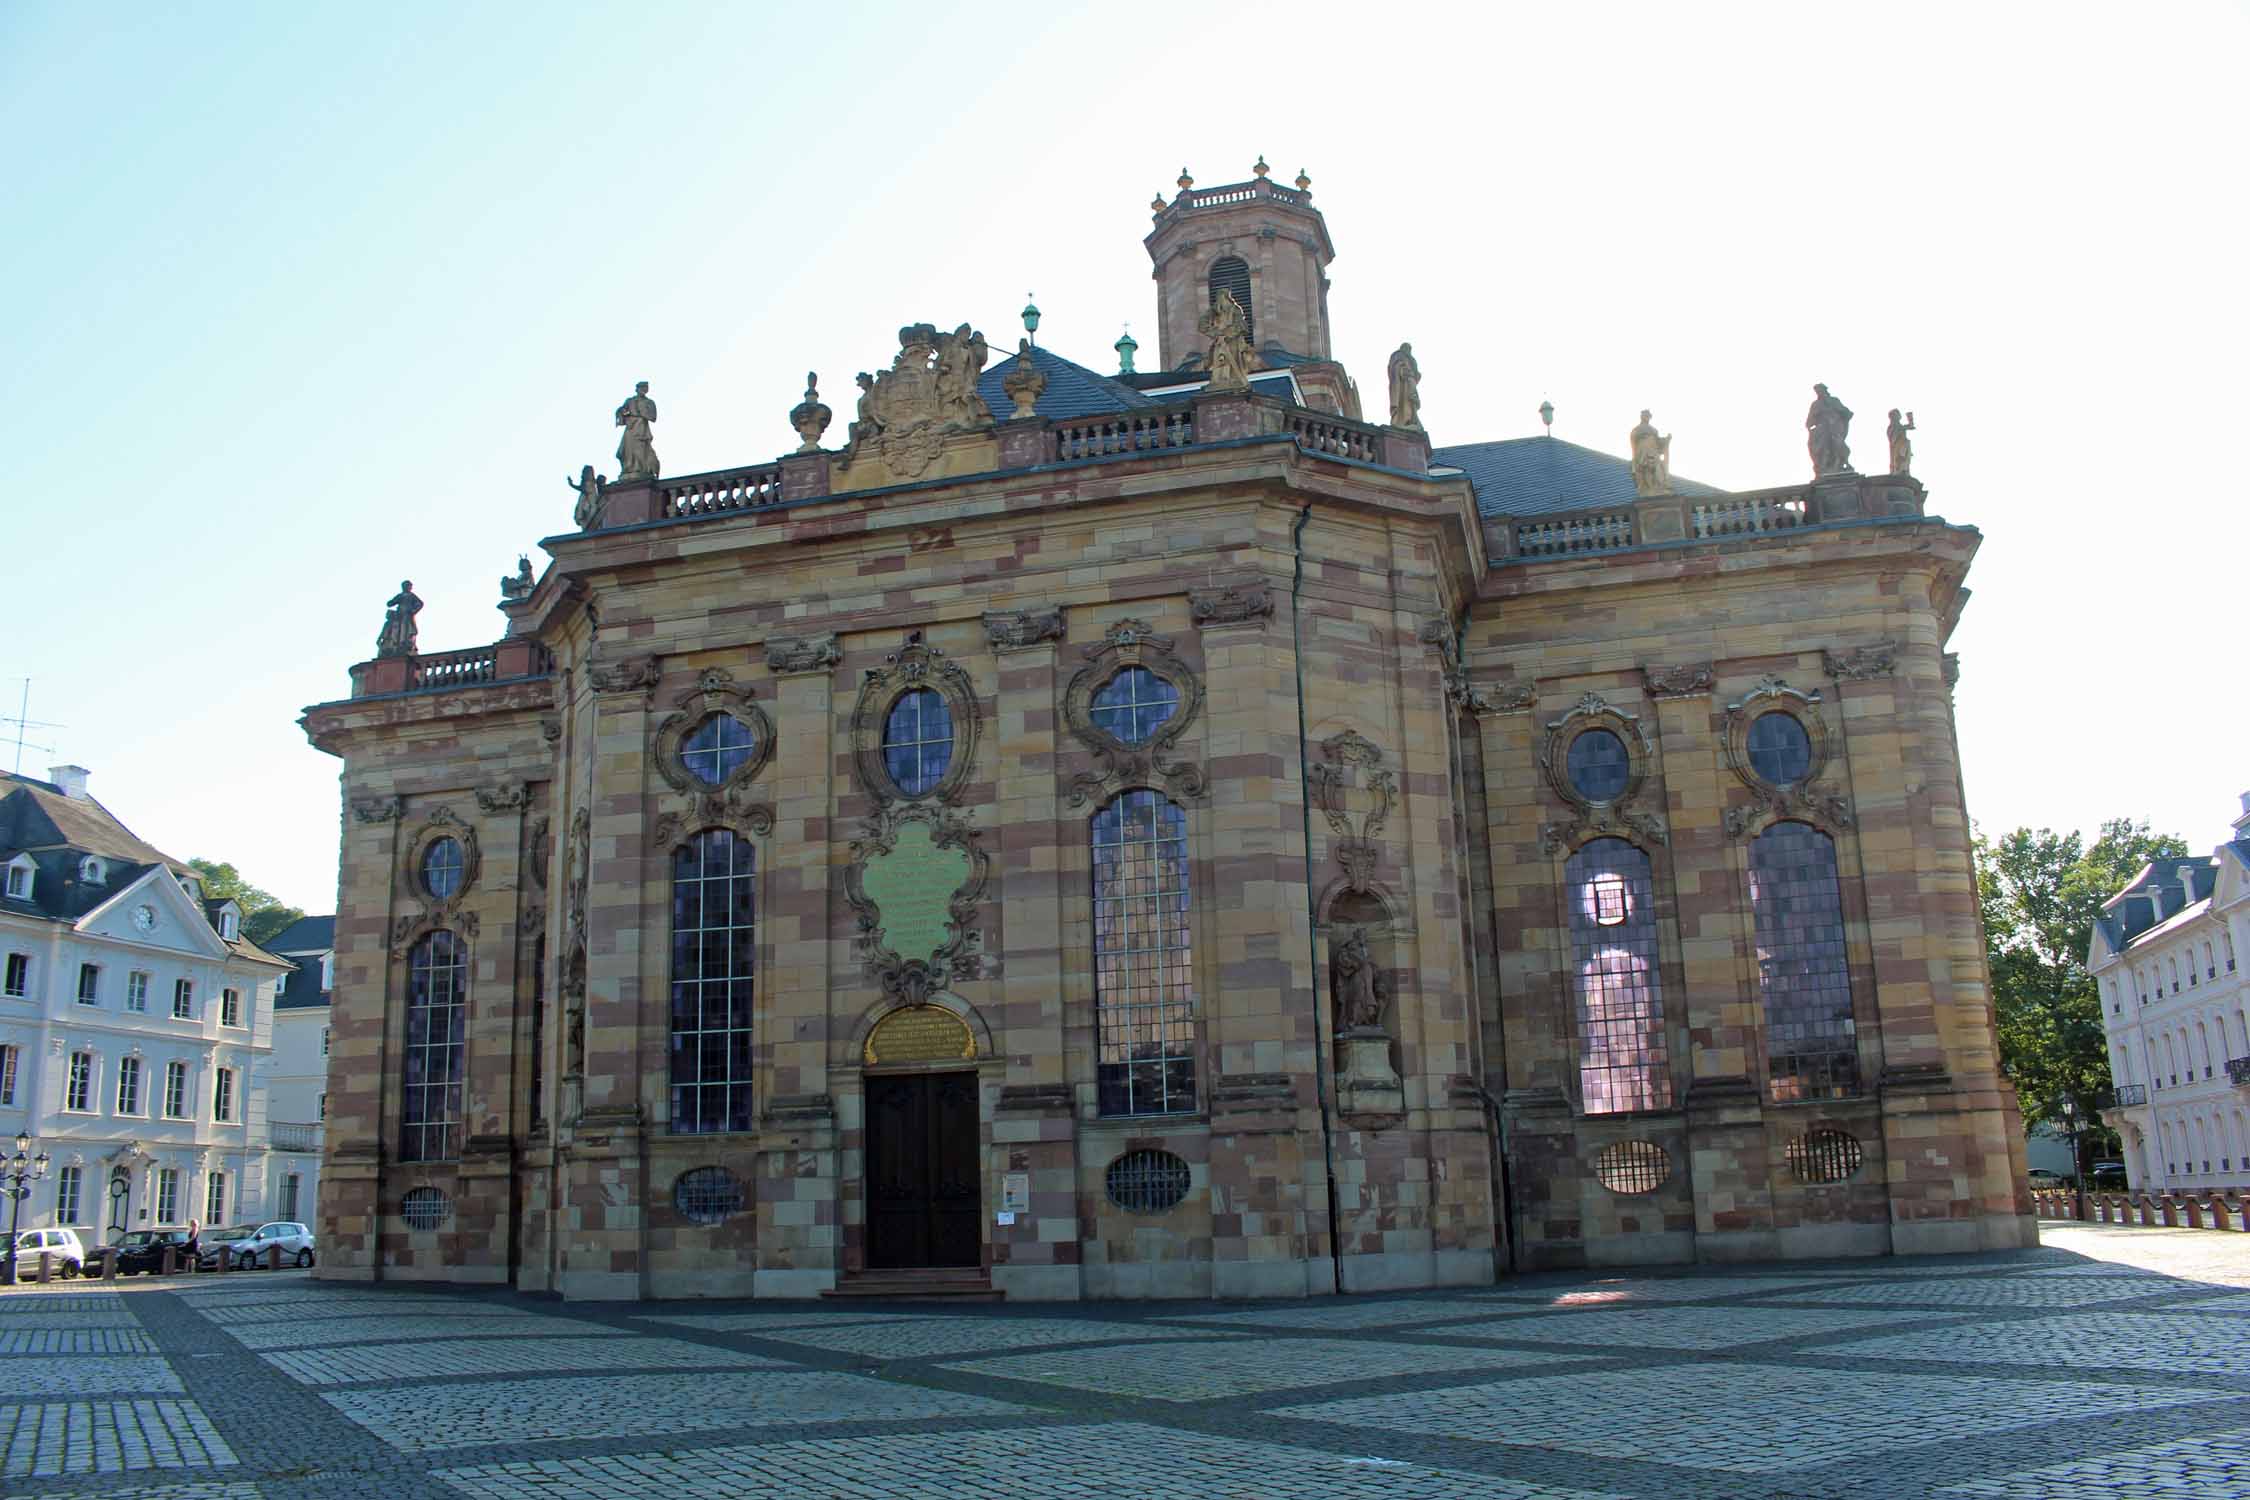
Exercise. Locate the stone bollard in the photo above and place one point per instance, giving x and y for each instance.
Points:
(2193, 1211)
(273, 1257)
(225, 1259)
(46, 1266)
(164, 1264)
(109, 1263)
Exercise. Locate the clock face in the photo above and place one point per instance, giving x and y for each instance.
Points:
(144, 917)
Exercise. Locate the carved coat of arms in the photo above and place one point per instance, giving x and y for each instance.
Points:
(930, 390)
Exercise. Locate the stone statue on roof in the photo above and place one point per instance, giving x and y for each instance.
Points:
(1229, 333)
(1902, 446)
(1406, 390)
(960, 360)
(636, 450)
(1827, 424)
(518, 585)
(1652, 459)
(588, 512)
(397, 637)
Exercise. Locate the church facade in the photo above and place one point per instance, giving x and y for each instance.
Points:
(1163, 834)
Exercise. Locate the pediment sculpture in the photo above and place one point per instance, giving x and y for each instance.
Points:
(930, 390)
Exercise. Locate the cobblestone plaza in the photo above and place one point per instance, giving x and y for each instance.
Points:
(2109, 1362)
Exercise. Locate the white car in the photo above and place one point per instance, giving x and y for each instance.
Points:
(62, 1244)
(295, 1240)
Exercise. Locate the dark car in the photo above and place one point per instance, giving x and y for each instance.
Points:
(143, 1250)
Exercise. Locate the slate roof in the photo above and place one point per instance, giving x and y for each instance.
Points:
(305, 935)
(58, 831)
(1534, 476)
(1072, 389)
(2163, 890)
(300, 988)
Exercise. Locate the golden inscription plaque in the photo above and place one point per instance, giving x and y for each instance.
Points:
(919, 1033)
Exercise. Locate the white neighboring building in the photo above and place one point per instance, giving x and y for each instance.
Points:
(2176, 1008)
(297, 1098)
(135, 1022)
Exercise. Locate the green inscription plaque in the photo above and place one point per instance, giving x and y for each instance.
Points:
(912, 888)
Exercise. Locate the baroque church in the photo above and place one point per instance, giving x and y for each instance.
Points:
(1169, 833)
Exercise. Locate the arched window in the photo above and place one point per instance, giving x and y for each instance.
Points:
(1811, 1044)
(714, 964)
(2210, 968)
(2175, 976)
(1231, 273)
(2203, 1043)
(1622, 1059)
(437, 1015)
(1144, 962)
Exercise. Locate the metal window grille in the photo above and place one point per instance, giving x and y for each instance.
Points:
(1231, 274)
(1823, 1156)
(1144, 980)
(1147, 1182)
(714, 981)
(437, 1014)
(1623, 1061)
(1812, 1050)
(1633, 1167)
(425, 1208)
(707, 1195)
(918, 741)
(717, 748)
(1133, 705)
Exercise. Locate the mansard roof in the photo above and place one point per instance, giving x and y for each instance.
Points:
(305, 935)
(2176, 886)
(1533, 476)
(1072, 389)
(58, 830)
(300, 988)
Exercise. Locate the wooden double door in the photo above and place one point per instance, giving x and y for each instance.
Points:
(925, 1199)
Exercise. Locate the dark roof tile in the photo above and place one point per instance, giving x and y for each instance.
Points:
(1540, 475)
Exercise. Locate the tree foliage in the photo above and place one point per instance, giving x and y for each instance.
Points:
(263, 913)
(2039, 893)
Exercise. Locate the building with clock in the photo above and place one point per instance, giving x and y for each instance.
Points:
(1173, 832)
(135, 1022)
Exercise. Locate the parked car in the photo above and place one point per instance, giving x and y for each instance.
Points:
(143, 1250)
(245, 1245)
(2109, 1175)
(62, 1244)
(2042, 1178)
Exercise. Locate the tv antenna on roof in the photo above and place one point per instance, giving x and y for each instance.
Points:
(22, 722)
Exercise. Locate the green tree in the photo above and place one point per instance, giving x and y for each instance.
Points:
(263, 913)
(2039, 894)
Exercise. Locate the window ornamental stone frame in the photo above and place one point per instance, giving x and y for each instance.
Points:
(726, 803)
(1615, 816)
(1132, 643)
(452, 910)
(1807, 798)
(917, 664)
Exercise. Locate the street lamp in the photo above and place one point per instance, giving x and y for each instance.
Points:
(17, 1174)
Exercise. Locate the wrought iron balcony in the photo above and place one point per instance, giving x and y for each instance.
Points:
(2238, 1071)
(2130, 1095)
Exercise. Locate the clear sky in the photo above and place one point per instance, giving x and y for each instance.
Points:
(307, 299)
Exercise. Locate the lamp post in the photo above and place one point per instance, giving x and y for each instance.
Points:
(17, 1174)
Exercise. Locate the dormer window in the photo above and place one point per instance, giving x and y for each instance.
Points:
(19, 878)
(192, 886)
(93, 871)
(230, 925)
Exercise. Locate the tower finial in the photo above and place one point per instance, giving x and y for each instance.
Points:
(1547, 416)
(1304, 183)
(1125, 347)
(1186, 181)
(1156, 206)
(1260, 169)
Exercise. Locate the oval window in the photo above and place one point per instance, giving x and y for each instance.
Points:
(717, 748)
(425, 1208)
(917, 741)
(1599, 765)
(1134, 704)
(1633, 1167)
(1147, 1182)
(1780, 750)
(1823, 1156)
(707, 1195)
(441, 867)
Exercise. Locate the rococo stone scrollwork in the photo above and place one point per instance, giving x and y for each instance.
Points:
(1490, 698)
(1687, 681)
(451, 910)
(379, 809)
(1860, 662)
(929, 390)
(787, 654)
(1231, 606)
(911, 980)
(573, 986)
(1807, 797)
(726, 804)
(1015, 629)
(509, 796)
(1615, 815)
(917, 664)
(632, 674)
(1131, 643)
(1349, 758)
(536, 858)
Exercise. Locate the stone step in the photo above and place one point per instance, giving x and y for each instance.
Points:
(938, 1283)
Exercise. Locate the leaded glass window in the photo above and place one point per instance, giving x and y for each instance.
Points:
(1144, 981)
(1134, 704)
(437, 1014)
(441, 867)
(714, 963)
(1812, 1050)
(1780, 750)
(918, 741)
(1598, 764)
(717, 748)
(1623, 1062)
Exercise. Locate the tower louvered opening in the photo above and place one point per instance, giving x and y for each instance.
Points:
(1231, 274)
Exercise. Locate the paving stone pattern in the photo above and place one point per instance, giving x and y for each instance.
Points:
(2108, 1363)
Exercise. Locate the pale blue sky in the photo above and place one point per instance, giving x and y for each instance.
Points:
(307, 299)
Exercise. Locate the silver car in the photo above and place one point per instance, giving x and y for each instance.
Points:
(295, 1240)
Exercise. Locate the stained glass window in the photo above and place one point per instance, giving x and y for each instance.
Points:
(1598, 764)
(1134, 704)
(437, 1015)
(918, 741)
(714, 963)
(1811, 1045)
(1622, 1059)
(1144, 980)
(717, 748)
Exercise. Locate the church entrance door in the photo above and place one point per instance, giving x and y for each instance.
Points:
(924, 1200)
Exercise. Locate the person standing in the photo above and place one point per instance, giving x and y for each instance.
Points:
(194, 1246)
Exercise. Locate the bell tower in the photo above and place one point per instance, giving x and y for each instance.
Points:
(1259, 240)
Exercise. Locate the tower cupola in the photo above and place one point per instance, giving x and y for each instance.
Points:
(1261, 241)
